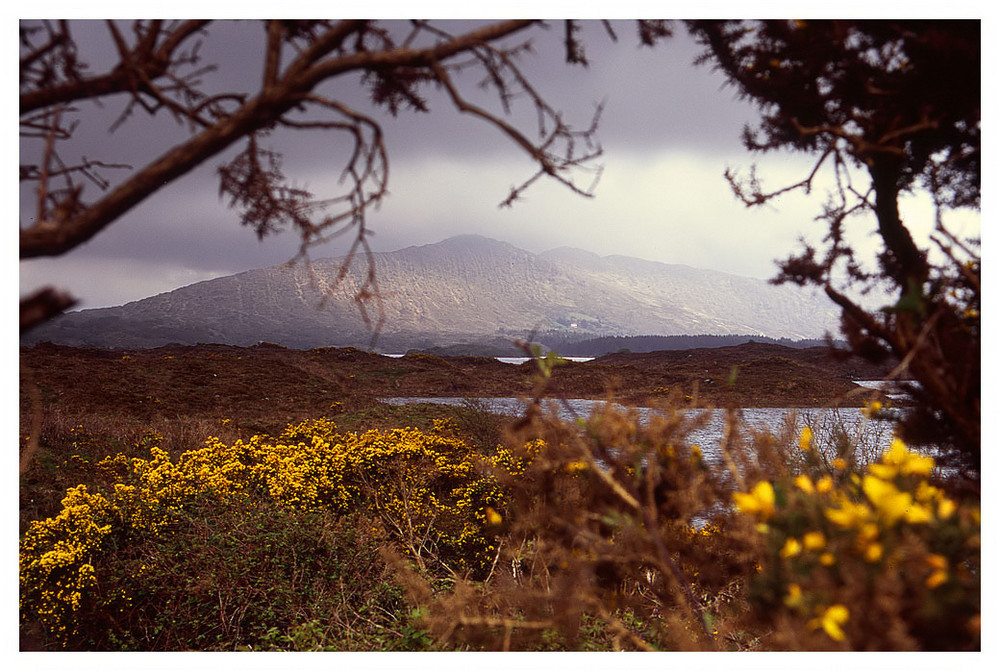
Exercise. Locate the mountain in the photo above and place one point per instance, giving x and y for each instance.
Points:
(464, 289)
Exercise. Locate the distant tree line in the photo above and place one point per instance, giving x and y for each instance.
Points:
(654, 343)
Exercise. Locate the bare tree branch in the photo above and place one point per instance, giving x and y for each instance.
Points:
(47, 94)
(158, 69)
(42, 305)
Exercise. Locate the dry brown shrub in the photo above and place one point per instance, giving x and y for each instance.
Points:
(612, 542)
(621, 535)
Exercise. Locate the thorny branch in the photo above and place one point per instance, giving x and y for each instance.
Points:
(751, 192)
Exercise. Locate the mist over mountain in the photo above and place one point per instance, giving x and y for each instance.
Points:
(466, 289)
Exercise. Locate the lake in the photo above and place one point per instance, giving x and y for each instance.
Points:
(872, 436)
(516, 360)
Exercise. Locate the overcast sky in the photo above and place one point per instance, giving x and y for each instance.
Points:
(669, 130)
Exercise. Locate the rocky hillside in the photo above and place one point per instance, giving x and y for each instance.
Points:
(464, 289)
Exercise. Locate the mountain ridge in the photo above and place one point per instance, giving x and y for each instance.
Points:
(463, 289)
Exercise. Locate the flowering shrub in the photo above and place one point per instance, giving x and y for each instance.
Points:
(870, 560)
(623, 533)
(605, 532)
(56, 567)
(610, 544)
(432, 492)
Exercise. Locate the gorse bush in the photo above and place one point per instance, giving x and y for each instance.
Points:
(622, 532)
(56, 555)
(601, 533)
(610, 538)
(875, 560)
(429, 490)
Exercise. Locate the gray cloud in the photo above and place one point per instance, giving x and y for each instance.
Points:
(669, 130)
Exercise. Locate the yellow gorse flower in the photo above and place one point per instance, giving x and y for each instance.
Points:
(493, 517)
(898, 460)
(868, 532)
(872, 409)
(849, 514)
(892, 504)
(793, 598)
(946, 508)
(873, 552)
(939, 571)
(805, 439)
(805, 483)
(791, 548)
(832, 621)
(814, 540)
(936, 579)
(759, 501)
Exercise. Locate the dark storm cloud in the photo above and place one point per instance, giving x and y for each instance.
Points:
(447, 170)
(652, 97)
(669, 129)
(638, 85)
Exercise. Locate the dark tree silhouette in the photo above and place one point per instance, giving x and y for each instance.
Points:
(889, 107)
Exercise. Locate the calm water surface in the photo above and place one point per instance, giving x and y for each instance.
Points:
(826, 423)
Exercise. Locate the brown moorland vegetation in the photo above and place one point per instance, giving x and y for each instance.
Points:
(272, 382)
(224, 498)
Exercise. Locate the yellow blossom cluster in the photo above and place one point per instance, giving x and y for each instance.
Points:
(872, 409)
(433, 492)
(56, 555)
(886, 521)
(515, 463)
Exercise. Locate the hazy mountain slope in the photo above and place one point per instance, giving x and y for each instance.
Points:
(466, 288)
(712, 301)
